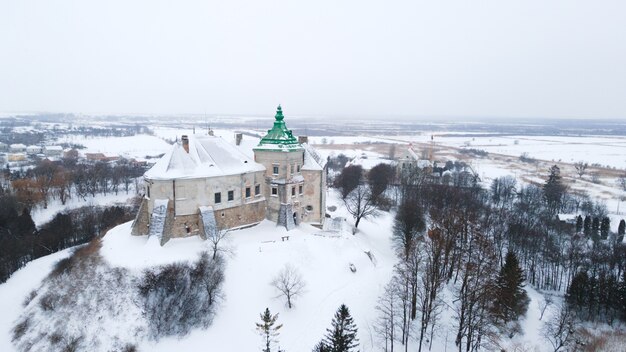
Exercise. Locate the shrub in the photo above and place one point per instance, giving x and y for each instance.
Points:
(178, 297)
(29, 298)
(48, 301)
(20, 329)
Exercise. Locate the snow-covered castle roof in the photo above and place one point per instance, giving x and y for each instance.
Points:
(208, 156)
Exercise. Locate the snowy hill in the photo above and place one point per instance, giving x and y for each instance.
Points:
(258, 253)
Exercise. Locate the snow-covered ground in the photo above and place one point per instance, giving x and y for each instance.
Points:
(569, 149)
(258, 254)
(322, 258)
(137, 147)
(42, 215)
(16, 289)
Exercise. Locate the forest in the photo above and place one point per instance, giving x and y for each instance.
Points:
(483, 245)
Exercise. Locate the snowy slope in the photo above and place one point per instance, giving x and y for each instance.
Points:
(258, 253)
(322, 259)
(16, 289)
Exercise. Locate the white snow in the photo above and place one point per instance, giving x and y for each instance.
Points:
(120, 249)
(208, 156)
(323, 258)
(42, 215)
(16, 289)
(137, 147)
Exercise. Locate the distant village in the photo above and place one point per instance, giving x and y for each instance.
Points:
(24, 143)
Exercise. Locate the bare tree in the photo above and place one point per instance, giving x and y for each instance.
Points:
(433, 278)
(392, 152)
(387, 324)
(503, 190)
(216, 236)
(543, 305)
(560, 331)
(622, 182)
(475, 294)
(349, 179)
(210, 276)
(379, 178)
(408, 225)
(289, 283)
(581, 168)
(360, 204)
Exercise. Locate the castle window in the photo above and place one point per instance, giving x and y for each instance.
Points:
(247, 192)
(300, 189)
(275, 169)
(293, 191)
(257, 190)
(309, 208)
(231, 196)
(218, 198)
(298, 167)
(274, 191)
(148, 191)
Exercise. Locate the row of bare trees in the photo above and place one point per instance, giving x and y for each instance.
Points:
(67, 178)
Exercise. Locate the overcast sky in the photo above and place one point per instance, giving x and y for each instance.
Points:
(530, 58)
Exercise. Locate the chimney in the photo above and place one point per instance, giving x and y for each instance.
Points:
(185, 140)
(303, 139)
(238, 138)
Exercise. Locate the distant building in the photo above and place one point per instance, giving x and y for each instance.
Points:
(3, 146)
(95, 157)
(409, 160)
(206, 182)
(17, 148)
(53, 150)
(34, 150)
(16, 157)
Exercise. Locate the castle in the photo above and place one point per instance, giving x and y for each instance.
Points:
(205, 183)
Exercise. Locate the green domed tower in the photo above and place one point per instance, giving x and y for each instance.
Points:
(279, 138)
(291, 195)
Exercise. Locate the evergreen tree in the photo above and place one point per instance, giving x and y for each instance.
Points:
(621, 229)
(587, 226)
(554, 190)
(595, 229)
(268, 329)
(578, 293)
(579, 224)
(342, 336)
(605, 227)
(321, 347)
(511, 299)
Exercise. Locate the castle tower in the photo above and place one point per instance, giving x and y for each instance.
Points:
(283, 158)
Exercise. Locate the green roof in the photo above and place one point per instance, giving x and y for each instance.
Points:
(279, 136)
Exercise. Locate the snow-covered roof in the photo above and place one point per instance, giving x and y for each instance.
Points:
(412, 153)
(208, 156)
(18, 146)
(312, 159)
(54, 147)
(424, 164)
(567, 217)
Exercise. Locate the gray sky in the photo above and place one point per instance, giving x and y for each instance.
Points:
(530, 58)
